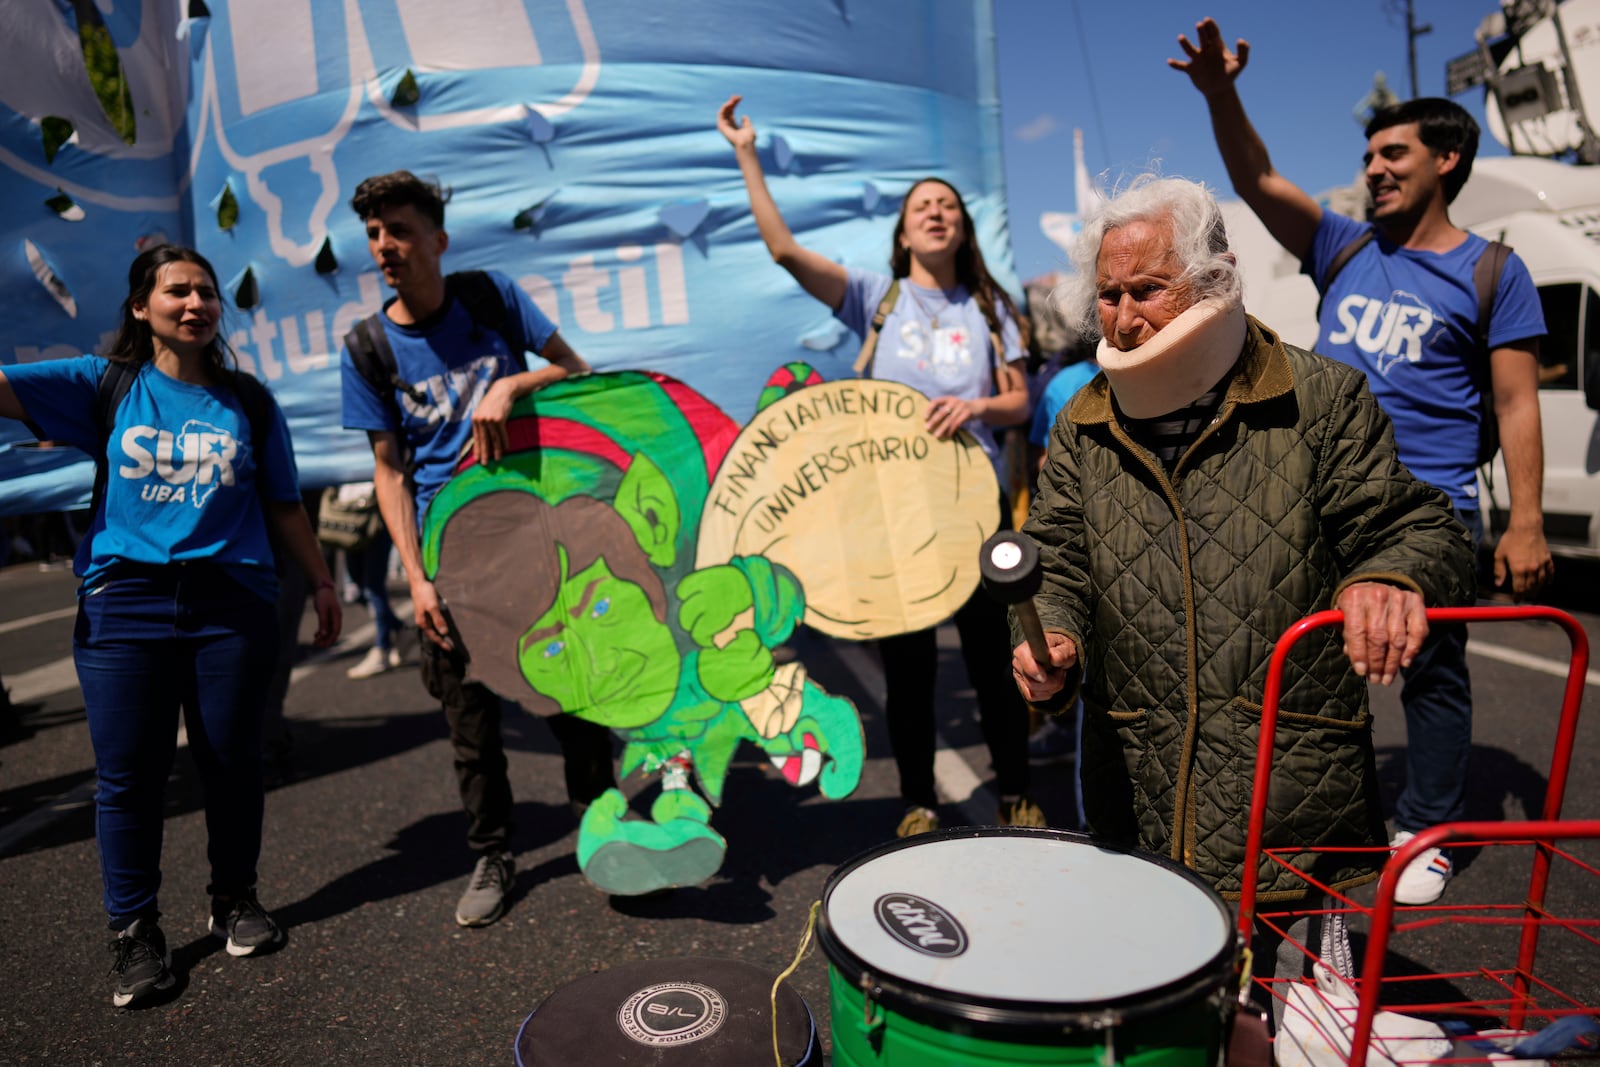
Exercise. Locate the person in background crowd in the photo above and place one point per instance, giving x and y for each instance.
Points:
(1056, 739)
(175, 608)
(277, 741)
(954, 334)
(368, 566)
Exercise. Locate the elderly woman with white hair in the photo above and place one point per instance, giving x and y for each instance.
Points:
(1210, 488)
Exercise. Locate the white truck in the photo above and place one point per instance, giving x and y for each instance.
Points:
(1550, 213)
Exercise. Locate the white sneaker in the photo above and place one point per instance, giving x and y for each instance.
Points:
(374, 663)
(1424, 879)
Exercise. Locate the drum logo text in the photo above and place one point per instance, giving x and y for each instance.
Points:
(672, 1013)
(921, 925)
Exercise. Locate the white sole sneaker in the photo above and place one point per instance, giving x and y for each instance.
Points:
(1424, 879)
(237, 950)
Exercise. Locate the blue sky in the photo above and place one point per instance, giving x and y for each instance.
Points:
(1101, 66)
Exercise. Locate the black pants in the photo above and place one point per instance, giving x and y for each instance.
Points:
(909, 667)
(473, 712)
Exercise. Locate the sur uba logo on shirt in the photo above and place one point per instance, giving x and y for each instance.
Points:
(945, 351)
(1389, 330)
(188, 465)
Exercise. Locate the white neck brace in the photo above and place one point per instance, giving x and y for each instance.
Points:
(1180, 364)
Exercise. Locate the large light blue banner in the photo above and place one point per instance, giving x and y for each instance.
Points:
(579, 141)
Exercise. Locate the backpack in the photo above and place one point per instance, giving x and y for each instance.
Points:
(114, 385)
(374, 360)
(1485, 281)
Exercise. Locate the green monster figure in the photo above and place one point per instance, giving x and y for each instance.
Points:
(575, 593)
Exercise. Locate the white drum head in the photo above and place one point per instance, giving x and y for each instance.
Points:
(1034, 916)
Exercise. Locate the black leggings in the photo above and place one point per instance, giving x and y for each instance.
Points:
(909, 667)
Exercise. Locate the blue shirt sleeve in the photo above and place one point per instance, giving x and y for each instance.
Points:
(1057, 391)
(1334, 231)
(527, 321)
(361, 406)
(59, 396)
(1518, 314)
(863, 292)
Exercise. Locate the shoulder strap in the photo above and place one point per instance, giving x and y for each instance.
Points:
(256, 400)
(486, 306)
(1486, 281)
(869, 343)
(1337, 264)
(257, 403)
(115, 381)
(374, 360)
(996, 344)
(114, 385)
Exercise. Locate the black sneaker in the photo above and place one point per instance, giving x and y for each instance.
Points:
(143, 966)
(244, 924)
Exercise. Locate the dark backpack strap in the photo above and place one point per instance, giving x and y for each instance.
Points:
(115, 381)
(1340, 259)
(869, 343)
(374, 360)
(257, 402)
(1486, 283)
(256, 399)
(486, 306)
(368, 345)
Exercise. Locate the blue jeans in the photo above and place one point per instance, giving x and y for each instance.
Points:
(369, 569)
(1437, 695)
(149, 641)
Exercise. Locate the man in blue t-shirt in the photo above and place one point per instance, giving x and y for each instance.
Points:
(1404, 308)
(461, 378)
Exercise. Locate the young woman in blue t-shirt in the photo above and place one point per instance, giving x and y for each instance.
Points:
(176, 607)
(937, 339)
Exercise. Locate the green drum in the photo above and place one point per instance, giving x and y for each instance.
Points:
(1013, 946)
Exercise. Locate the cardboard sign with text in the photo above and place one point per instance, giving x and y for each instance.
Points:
(880, 521)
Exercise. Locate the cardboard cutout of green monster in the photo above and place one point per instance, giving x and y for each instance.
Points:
(585, 534)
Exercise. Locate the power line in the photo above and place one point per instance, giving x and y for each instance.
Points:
(1094, 97)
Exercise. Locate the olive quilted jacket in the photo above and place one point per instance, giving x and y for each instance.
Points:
(1175, 587)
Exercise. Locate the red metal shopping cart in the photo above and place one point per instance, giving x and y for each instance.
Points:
(1510, 997)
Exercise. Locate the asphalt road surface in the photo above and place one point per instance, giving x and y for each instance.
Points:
(365, 855)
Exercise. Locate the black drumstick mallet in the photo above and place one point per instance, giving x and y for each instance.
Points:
(1009, 564)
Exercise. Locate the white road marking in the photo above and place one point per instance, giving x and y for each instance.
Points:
(956, 780)
(35, 620)
(59, 676)
(29, 686)
(1557, 667)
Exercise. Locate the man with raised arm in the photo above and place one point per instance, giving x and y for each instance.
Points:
(1404, 299)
